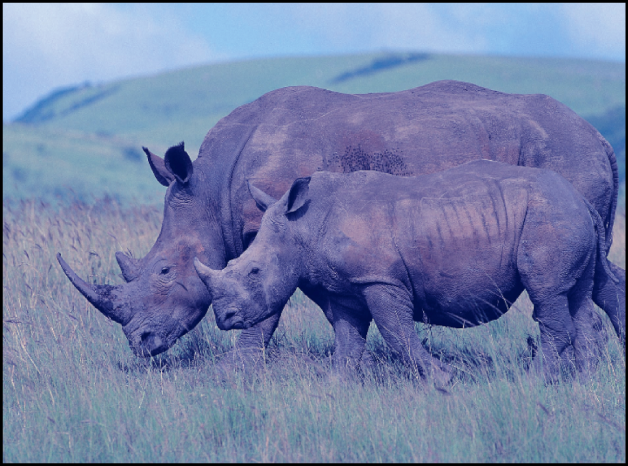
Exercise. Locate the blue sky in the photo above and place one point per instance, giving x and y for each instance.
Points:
(46, 46)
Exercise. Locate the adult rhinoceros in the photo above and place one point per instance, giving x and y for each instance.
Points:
(295, 131)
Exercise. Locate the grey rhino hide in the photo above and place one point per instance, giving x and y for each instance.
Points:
(291, 133)
(455, 249)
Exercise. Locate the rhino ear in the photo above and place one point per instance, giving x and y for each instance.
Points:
(178, 162)
(298, 195)
(159, 168)
(263, 200)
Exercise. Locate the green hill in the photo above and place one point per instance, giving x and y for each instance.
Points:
(89, 137)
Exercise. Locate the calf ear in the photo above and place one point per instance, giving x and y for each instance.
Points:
(178, 162)
(263, 200)
(159, 168)
(298, 195)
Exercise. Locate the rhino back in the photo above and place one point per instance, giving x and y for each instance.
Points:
(460, 248)
(449, 238)
(295, 131)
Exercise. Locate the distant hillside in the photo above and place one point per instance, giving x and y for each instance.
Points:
(89, 136)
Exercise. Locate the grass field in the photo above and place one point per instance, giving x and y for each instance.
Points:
(73, 391)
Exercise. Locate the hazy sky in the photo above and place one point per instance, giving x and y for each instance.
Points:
(46, 46)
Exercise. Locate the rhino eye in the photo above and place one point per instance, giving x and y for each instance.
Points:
(254, 271)
(165, 270)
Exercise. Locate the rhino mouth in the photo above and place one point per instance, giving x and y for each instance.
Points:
(151, 343)
(230, 319)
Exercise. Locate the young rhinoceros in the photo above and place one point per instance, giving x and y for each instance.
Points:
(455, 248)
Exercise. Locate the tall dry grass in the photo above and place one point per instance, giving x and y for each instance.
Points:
(73, 391)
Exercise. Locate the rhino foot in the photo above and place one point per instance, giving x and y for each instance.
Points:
(367, 361)
(343, 371)
(441, 374)
(240, 361)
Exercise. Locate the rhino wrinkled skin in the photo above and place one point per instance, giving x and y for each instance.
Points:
(291, 133)
(455, 248)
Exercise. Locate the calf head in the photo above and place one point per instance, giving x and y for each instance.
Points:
(163, 297)
(258, 284)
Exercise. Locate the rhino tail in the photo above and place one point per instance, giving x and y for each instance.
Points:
(609, 287)
(601, 241)
(610, 220)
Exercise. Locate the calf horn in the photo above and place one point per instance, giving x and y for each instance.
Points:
(205, 273)
(103, 297)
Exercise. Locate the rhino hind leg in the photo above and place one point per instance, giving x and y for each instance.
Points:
(561, 308)
(558, 335)
(591, 336)
(549, 285)
(556, 260)
(393, 312)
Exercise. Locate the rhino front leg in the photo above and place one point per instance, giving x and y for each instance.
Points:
(350, 328)
(322, 299)
(392, 310)
(251, 344)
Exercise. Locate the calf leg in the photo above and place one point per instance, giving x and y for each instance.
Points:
(591, 336)
(350, 329)
(323, 300)
(590, 341)
(558, 332)
(392, 311)
(555, 259)
(251, 343)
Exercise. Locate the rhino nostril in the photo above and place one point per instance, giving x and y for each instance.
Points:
(229, 315)
(144, 336)
(151, 343)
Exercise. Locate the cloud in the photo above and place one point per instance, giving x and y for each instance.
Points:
(597, 28)
(577, 30)
(50, 45)
(376, 26)
(430, 28)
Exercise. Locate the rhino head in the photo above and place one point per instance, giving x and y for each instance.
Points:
(257, 285)
(163, 297)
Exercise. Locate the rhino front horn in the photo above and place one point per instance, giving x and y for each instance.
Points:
(102, 297)
(204, 272)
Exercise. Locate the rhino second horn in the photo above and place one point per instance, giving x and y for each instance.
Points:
(128, 265)
(102, 297)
